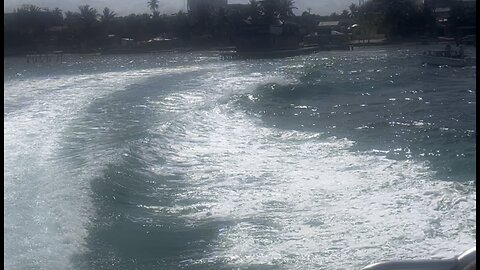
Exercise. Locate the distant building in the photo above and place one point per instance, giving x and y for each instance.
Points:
(326, 27)
(342, 25)
(330, 35)
(328, 24)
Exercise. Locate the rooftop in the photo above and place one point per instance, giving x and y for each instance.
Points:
(329, 23)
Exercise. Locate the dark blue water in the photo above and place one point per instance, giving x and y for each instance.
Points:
(182, 161)
(387, 103)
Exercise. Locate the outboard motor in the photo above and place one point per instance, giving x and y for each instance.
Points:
(466, 261)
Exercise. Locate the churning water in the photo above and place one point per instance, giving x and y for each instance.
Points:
(328, 161)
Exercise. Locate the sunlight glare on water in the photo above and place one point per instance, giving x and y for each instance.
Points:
(315, 162)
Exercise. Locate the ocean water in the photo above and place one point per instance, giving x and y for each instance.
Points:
(333, 160)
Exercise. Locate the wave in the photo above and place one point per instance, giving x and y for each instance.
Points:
(51, 156)
(131, 170)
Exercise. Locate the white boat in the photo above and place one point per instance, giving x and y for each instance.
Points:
(466, 261)
(439, 58)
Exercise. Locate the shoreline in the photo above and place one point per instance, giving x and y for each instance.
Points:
(215, 49)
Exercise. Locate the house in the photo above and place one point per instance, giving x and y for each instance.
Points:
(328, 26)
(330, 35)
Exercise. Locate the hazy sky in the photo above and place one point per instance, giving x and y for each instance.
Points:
(124, 7)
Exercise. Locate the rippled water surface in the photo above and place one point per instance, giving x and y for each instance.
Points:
(329, 161)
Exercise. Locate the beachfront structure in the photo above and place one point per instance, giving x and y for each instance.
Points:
(330, 35)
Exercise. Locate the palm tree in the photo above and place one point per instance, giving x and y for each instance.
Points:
(58, 12)
(71, 18)
(29, 8)
(277, 9)
(107, 15)
(88, 15)
(153, 5)
(88, 32)
(57, 16)
(353, 11)
(285, 8)
(254, 10)
(269, 10)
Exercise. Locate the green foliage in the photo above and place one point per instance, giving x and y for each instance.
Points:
(272, 10)
(153, 6)
(254, 11)
(107, 15)
(88, 14)
(31, 27)
(353, 11)
(394, 18)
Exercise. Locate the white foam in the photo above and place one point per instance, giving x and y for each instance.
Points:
(47, 198)
(297, 199)
(304, 201)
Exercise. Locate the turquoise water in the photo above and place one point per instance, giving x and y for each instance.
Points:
(329, 161)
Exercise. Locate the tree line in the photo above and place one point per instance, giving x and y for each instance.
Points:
(32, 28)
